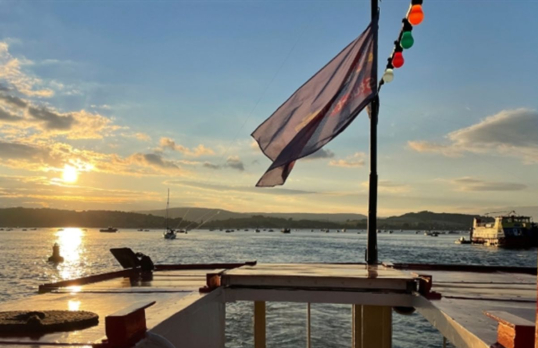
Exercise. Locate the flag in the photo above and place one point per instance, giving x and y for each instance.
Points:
(319, 110)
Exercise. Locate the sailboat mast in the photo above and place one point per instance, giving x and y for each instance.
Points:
(167, 205)
(371, 252)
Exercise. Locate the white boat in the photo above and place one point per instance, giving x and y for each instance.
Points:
(169, 233)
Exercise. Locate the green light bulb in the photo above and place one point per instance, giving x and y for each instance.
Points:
(407, 40)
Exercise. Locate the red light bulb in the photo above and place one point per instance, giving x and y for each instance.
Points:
(397, 60)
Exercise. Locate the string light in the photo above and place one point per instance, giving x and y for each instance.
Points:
(406, 40)
(397, 60)
(415, 15)
(388, 76)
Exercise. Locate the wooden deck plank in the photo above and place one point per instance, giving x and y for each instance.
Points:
(102, 304)
(328, 276)
(321, 270)
(466, 296)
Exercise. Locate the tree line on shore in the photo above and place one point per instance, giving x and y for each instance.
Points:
(45, 217)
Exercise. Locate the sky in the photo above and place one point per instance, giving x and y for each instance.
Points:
(107, 104)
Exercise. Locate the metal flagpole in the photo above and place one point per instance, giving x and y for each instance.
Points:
(371, 252)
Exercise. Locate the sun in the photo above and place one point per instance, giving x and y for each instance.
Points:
(70, 174)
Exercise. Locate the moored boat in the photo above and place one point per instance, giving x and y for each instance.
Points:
(169, 233)
(510, 230)
(108, 230)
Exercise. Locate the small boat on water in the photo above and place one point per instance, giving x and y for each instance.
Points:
(169, 233)
(140, 230)
(107, 230)
(270, 230)
(285, 230)
(229, 231)
(462, 240)
(257, 230)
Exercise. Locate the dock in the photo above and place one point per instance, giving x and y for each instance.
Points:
(471, 306)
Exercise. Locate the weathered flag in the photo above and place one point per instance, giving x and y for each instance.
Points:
(319, 110)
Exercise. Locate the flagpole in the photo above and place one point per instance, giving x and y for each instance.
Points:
(371, 252)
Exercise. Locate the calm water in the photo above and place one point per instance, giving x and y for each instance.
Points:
(23, 256)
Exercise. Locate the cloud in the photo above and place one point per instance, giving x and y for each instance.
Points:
(142, 136)
(354, 161)
(233, 162)
(104, 106)
(6, 116)
(320, 154)
(40, 191)
(43, 122)
(12, 73)
(13, 101)
(53, 157)
(211, 165)
(250, 189)
(200, 150)
(508, 133)
(51, 119)
(387, 186)
(471, 184)
(20, 151)
(154, 160)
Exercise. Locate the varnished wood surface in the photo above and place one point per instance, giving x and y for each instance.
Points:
(172, 291)
(466, 296)
(102, 304)
(319, 276)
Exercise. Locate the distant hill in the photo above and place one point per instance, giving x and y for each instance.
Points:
(44, 217)
(198, 214)
(428, 220)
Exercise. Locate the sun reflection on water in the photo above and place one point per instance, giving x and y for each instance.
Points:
(71, 248)
(73, 305)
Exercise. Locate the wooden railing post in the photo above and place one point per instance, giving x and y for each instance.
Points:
(372, 327)
(259, 324)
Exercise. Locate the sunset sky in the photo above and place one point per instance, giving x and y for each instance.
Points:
(106, 104)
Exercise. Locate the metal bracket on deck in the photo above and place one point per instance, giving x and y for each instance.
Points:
(425, 283)
(127, 326)
(212, 282)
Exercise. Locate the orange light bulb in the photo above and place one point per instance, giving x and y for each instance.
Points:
(416, 15)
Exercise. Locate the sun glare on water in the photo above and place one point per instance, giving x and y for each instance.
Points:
(70, 174)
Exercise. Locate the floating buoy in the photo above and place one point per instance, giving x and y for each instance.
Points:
(56, 257)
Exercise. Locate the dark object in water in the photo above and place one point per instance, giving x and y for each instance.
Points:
(56, 257)
(29, 323)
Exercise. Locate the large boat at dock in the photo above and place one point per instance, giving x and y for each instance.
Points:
(510, 230)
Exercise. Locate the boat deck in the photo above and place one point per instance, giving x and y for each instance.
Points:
(191, 318)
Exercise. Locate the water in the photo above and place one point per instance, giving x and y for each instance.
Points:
(24, 254)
